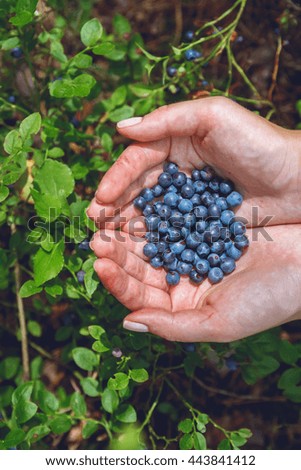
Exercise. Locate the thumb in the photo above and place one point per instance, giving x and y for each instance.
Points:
(180, 119)
(198, 325)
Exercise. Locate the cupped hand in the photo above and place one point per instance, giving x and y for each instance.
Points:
(262, 159)
(263, 292)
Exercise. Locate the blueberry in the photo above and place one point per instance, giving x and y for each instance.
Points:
(195, 175)
(241, 241)
(215, 275)
(171, 189)
(195, 277)
(140, 202)
(161, 246)
(202, 266)
(11, 99)
(207, 199)
(178, 247)
(211, 234)
(226, 187)
(16, 52)
(174, 234)
(158, 205)
(205, 83)
(225, 234)
(179, 179)
(237, 228)
(164, 212)
(171, 199)
(192, 54)
(227, 265)
(207, 173)
(190, 220)
(227, 216)
(233, 252)
(165, 179)
(214, 211)
(152, 237)
(201, 212)
(84, 245)
(80, 276)
(193, 240)
(187, 190)
(184, 268)
(201, 226)
(75, 122)
(147, 194)
(163, 227)
(150, 250)
(185, 232)
(196, 200)
(188, 35)
(148, 210)
(187, 255)
(231, 364)
(171, 71)
(185, 206)
(157, 190)
(117, 352)
(170, 167)
(152, 222)
(213, 260)
(218, 247)
(172, 278)
(156, 261)
(214, 184)
(221, 202)
(177, 219)
(203, 250)
(200, 186)
(234, 199)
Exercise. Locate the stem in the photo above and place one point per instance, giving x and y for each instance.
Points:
(21, 316)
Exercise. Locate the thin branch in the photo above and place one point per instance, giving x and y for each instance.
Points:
(275, 69)
(178, 21)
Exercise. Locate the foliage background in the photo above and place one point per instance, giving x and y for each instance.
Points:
(70, 377)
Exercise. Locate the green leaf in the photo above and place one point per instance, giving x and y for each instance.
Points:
(24, 410)
(78, 405)
(14, 437)
(225, 444)
(29, 288)
(82, 61)
(126, 414)
(186, 442)
(119, 114)
(37, 433)
(10, 43)
(100, 347)
(4, 192)
(139, 375)
(119, 381)
(12, 142)
(96, 331)
(30, 125)
(89, 428)
(107, 142)
(118, 97)
(141, 90)
(89, 386)
(57, 51)
(55, 178)
(121, 25)
(9, 367)
(185, 426)
(109, 400)
(23, 391)
(84, 358)
(288, 352)
(56, 152)
(199, 441)
(21, 19)
(103, 48)
(48, 402)
(47, 265)
(60, 424)
(34, 328)
(91, 32)
(83, 84)
(237, 439)
(149, 55)
(289, 382)
(91, 282)
(54, 290)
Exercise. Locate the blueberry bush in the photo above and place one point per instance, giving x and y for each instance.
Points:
(70, 376)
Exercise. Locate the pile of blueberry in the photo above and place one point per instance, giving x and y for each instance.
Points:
(192, 229)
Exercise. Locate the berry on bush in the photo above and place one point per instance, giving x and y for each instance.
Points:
(16, 52)
(192, 54)
(84, 245)
(191, 231)
(80, 276)
(11, 99)
(188, 36)
(171, 71)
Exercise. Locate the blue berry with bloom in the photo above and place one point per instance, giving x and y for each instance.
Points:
(171, 71)
(173, 278)
(215, 275)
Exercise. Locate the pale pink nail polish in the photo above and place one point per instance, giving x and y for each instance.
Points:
(133, 326)
(129, 122)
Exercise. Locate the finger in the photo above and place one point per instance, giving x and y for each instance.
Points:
(118, 252)
(180, 119)
(129, 291)
(110, 217)
(131, 165)
(132, 243)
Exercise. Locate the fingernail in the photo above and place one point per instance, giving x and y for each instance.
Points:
(129, 122)
(133, 326)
